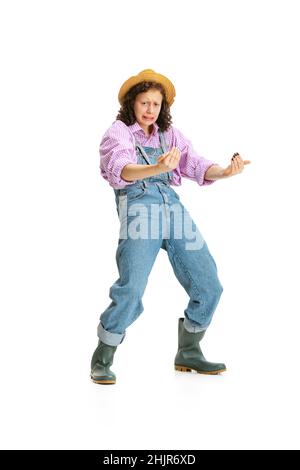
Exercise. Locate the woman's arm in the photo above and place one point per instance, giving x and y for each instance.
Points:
(133, 172)
(216, 172)
(166, 162)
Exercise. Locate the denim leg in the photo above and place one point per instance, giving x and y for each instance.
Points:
(192, 326)
(196, 270)
(112, 339)
(135, 259)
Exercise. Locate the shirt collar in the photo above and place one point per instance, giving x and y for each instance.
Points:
(136, 127)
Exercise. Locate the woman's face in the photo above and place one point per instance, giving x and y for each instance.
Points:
(147, 108)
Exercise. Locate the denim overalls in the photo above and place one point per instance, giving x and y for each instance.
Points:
(152, 217)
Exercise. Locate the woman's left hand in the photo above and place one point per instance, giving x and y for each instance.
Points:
(236, 166)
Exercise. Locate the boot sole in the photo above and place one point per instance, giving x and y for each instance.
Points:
(103, 382)
(189, 369)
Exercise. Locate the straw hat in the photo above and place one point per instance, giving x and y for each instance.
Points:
(150, 76)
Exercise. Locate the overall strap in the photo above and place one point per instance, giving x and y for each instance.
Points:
(139, 146)
(163, 144)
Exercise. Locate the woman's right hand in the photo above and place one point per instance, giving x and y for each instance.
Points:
(169, 160)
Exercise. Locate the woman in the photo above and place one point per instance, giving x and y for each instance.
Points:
(136, 162)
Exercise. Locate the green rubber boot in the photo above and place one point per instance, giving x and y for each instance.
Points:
(189, 355)
(100, 365)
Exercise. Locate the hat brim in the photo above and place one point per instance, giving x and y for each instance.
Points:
(148, 76)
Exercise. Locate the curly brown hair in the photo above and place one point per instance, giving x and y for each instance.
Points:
(126, 112)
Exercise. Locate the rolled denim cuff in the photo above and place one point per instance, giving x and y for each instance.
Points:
(112, 339)
(192, 326)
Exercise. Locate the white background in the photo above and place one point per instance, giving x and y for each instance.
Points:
(235, 68)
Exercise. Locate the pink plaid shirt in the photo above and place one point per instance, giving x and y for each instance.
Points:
(117, 150)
